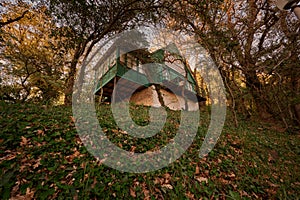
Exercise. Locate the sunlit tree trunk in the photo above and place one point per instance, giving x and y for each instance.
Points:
(72, 74)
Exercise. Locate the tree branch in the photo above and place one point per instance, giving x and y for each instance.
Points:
(13, 20)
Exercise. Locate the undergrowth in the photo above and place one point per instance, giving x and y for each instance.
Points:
(42, 157)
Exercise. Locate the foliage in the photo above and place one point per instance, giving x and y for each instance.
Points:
(255, 46)
(253, 42)
(41, 156)
(33, 61)
(88, 22)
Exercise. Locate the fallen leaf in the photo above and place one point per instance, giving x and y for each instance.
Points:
(132, 192)
(114, 130)
(40, 132)
(158, 180)
(197, 171)
(8, 157)
(15, 189)
(190, 195)
(37, 164)
(170, 187)
(76, 153)
(167, 177)
(72, 119)
(29, 195)
(24, 141)
(201, 179)
(132, 148)
(146, 192)
(232, 175)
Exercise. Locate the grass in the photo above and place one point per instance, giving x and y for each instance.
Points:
(42, 157)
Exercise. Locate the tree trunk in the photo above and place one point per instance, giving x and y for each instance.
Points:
(297, 113)
(71, 76)
(69, 84)
(296, 90)
(255, 86)
(159, 95)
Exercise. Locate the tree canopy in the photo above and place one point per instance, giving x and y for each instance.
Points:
(254, 44)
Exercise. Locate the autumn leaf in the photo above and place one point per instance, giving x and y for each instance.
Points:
(8, 157)
(115, 131)
(197, 171)
(146, 192)
(37, 164)
(29, 195)
(40, 132)
(201, 179)
(132, 192)
(168, 186)
(24, 141)
(232, 175)
(132, 148)
(158, 180)
(190, 195)
(76, 153)
(73, 120)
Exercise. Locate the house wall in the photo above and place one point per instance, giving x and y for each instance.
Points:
(149, 97)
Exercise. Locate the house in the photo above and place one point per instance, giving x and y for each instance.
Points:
(155, 79)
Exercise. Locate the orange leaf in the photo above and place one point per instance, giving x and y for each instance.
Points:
(197, 171)
(132, 193)
(24, 141)
(76, 153)
(170, 187)
(72, 119)
(40, 132)
(201, 179)
(190, 195)
(132, 148)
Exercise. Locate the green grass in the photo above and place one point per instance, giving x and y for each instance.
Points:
(42, 157)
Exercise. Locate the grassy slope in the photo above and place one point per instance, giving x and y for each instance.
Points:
(41, 156)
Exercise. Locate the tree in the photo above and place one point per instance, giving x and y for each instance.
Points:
(31, 57)
(91, 21)
(5, 21)
(9, 21)
(249, 40)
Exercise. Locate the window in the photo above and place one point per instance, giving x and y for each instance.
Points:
(131, 61)
(112, 59)
(123, 58)
(166, 74)
(141, 70)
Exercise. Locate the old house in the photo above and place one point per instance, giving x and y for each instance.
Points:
(155, 79)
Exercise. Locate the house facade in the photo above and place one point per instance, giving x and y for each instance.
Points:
(156, 79)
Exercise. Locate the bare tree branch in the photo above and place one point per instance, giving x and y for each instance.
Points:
(13, 20)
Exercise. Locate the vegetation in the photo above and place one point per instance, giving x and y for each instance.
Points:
(44, 44)
(43, 157)
(34, 61)
(256, 52)
(256, 48)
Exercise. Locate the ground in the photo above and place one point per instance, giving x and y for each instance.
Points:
(42, 157)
